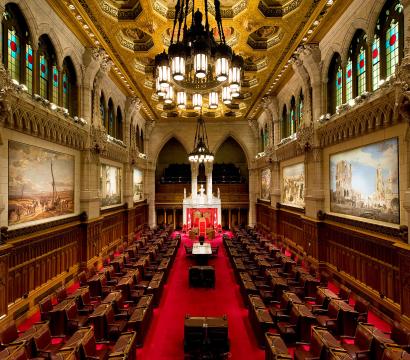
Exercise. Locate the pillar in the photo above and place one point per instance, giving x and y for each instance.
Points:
(208, 173)
(275, 184)
(149, 188)
(194, 179)
(253, 194)
(128, 186)
(89, 184)
(314, 193)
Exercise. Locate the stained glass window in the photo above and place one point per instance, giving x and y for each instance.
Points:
(339, 86)
(349, 80)
(292, 119)
(111, 122)
(392, 47)
(13, 54)
(29, 68)
(300, 110)
(361, 71)
(265, 137)
(55, 85)
(66, 91)
(376, 63)
(43, 76)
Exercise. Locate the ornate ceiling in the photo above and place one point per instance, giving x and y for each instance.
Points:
(265, 32)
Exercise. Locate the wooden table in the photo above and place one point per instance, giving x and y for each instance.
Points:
(125, 347)
(95, 284)
(324, 295)
(347, 320)
(275, 347)
(98, 320)
(306, 319)
(58, 317)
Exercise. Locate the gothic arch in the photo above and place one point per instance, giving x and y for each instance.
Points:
(30, 19)
(355, 27)
(164, 141)
(44, 29)
(219, 143)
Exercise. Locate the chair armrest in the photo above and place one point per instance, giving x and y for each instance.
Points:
(92, 357)
(309, 298)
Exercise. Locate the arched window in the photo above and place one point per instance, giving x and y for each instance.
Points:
(137, 138)
(265, 137)
(70, 100)
(262, 142)
(292, 116)
(300, 109)
(335, 84)
(142, 142)
(103, 111)
(359, 45)
(349, 77)
(17, 48)
(118, 134)
(376, 60)
(47, 66)
(111, 118)
(284, 122)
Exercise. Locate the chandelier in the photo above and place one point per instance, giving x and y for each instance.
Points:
(201, 151)
(198, 71)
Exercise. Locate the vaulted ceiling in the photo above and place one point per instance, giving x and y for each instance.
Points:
(265, 32)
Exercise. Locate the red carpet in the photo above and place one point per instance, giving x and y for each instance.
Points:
(166, 334)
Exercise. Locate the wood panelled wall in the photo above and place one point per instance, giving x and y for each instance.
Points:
(33, 256)
(374, 265)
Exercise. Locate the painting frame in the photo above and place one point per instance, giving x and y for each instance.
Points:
(137, 187)
(293, 185)
(266, 184)
(391, 197)
(39, 205)
(110, 185)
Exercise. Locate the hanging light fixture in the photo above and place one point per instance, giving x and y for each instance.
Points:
(226, 95)
(181, 99)
(213, 100)
(197, 101)
(169, 96)
(201, 152)
(199, 61)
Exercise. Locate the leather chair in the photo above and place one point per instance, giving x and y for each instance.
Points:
(89, 348)
(75, 318)
(82, 278)
(61, 294)
(8, 334)
(194, 276)
(316, 350)
(43, 343)
(45, 305)
(331, 319)
(344, 293)
(288, 329)
(362, 307)
(401, 336)
(361, 347)
(114, 326)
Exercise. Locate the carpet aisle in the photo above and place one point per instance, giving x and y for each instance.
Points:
(166, 333)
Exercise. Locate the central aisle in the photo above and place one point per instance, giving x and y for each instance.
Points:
(166, 333)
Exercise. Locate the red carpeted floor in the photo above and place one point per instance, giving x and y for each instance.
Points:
(166, 334)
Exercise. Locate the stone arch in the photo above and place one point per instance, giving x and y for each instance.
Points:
(245, 150)
(164, 141)
(45, 29)
(357, 25)
(69, 53)
(327, 60)
(29, 17)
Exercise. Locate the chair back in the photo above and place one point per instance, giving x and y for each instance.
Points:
(362, 307)
(344, 293)
(400, 334)
(42, 338)
(363, 338)
(45, 305)
(82, 278)
(316, 345)
(71, 311)
(9, 333)
(89, 345)
(61, 294)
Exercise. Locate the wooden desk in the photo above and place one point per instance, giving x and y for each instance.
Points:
(68, 354)
(275, 348)
(256, 302)
(76, 341)
(125, 347)
(327, 339)
(395, 353)
(347, 320)
(279, 285)
(305, 321)
(338, 354)
(98, 318)
(58, 317)
(324, 295)
(95, 284)
(261, 322)
(380, 340)
(139, 322)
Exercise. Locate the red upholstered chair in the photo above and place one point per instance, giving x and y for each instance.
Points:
(362, 344)
(90, 349)
(75, 318)
(8, 334)
(43, 343)
(316, 350)
(362, 307)
(45, 305)
(331, 319)
(114, 327)
(401, 336)
(61, 294)
(344, 293)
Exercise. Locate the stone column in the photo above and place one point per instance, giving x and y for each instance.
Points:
(149, 186)
(275, 186)
(208, 173)
(90, 184)
(314, 193)
(253, 194)
(406, 15)
(128, 186)
(194, 180)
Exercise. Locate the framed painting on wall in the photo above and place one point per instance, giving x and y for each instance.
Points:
(364, 182)
(40, 183)
(265, 184)
(293, 185)
(138, 188)
(110, 185)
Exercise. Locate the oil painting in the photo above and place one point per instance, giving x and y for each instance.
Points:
(110, 185)
(40, 182)
(138, 190)
(364, 182)
(293, 185)
(265, 184)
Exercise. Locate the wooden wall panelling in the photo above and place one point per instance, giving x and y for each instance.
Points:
(404, 280)
(4, 269)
